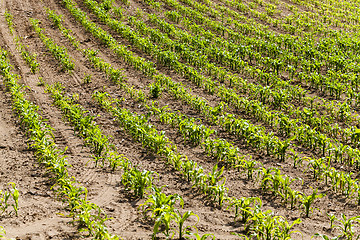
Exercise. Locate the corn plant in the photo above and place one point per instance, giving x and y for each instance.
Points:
(244, 207)
(332, 219)
(87, 79)
(159, 202)
(155, 90)
(9, 19)
(249, 166)
(162, 210)
(346, 226)
(5, 200)
(307, 201)
(137, 181)
(180, 220)
(203, 237)
(164, 220)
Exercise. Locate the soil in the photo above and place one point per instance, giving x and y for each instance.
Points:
(43, 216)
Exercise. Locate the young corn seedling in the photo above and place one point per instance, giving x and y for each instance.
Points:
(294, 197)
(297, 160)
(155, 90)
(249, 166)
(285, 191)
(307, 201)
(203, 237)
(317, 167)
(5, 197)
(180, 220)
(215, 176)
(137, 181)
(263, 225)
(69, 192)
(15, 197)
(87, 79)
(9, 19)
(244, 207)
(285, 226)
(219, 193)
(98, 143)
(41, 82)
(332, 219)
(158, 202)
(347, 227)
(162, 209)
(164, 220)
(117, 160)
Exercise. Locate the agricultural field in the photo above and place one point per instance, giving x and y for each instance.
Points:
(179, 119)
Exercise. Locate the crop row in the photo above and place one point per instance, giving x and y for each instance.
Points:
(59, 52)
(26, 55)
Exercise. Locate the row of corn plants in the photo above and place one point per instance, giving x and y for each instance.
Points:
(115, 75)
(25, 54)
(85, 127)
(59, 52)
